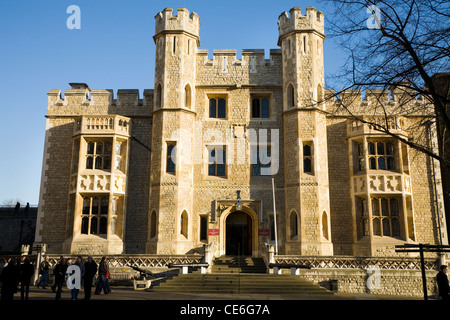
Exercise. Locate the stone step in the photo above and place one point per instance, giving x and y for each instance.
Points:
(232, 264)
(244, 283)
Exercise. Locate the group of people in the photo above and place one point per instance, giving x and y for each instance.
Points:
(88, 270)
(15, 273)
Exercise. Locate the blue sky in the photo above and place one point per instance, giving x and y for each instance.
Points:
(114, 49)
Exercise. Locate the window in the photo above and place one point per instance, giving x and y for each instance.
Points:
(216, 161)
(325, 225)
(381, 155)
(118, 159)
(361, 157)
(290, 96)
(153, 224)
(203, 228)
(217, 108)
(272, 227)
(307, 157)
(259, 162)
(158, 98)
(364, 229)
(171, 157)
(294, 225)
(174, 48)
(98, 155)
(260, 107)
(184, 224)
(75, 155)
(385, 217)
(94, 215)
(304, 44)
(187, 96)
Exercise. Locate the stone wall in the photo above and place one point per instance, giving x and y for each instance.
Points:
(407, 283)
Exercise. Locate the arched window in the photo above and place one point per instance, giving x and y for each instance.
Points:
(184, 224)
(325, 225)
(85, 225)
(187, 97)
(293, 225)
(290, 96)
(307, 157)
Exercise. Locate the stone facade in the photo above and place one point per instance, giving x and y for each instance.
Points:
(191, 162)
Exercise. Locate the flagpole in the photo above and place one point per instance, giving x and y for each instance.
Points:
(275, 217)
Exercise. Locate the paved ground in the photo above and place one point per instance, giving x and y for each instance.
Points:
(127, 301)
(128, 293)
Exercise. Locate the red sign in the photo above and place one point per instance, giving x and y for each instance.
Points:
(264, 232)
(213, 232)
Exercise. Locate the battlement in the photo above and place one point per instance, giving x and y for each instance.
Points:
(396, 99)
(313, 20)
(166, 21)
(99, 97)
(218, 54)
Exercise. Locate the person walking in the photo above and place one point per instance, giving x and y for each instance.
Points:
(10, 279)
(90, 270)
(26, 271)
(79, 263)
(44, 268)
(102, 272)
(60, 277)
(442, 281)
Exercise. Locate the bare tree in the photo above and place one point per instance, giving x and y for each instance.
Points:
(396, 46)
(11, 202)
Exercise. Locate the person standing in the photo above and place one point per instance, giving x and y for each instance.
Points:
(54, 284)
(102, 272)
(60, 277)
(90, 270)
(44, 267)
(26, 271)
(442, 281)
(9, 278)
(79, 263)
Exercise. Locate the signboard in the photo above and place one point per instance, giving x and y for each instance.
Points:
(264, 232)
(213, 232)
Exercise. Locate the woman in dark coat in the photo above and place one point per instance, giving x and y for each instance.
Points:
(26, 271)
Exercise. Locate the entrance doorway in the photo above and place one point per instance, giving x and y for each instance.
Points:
(238, 234)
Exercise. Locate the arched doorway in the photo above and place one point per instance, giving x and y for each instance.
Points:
(238, 234)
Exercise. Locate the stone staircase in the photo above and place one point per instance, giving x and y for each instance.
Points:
(230, 275)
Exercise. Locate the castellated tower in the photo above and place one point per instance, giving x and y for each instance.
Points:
(307, 201)
(171, 181)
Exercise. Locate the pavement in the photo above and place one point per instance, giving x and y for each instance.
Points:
(124, 300)
(128, 293)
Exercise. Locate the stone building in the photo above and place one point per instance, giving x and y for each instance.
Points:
(234, 154)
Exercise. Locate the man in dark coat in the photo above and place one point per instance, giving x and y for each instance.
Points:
(10, 279)
(442, 281)
(90, 269)
(60, 276)
(26, 271)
